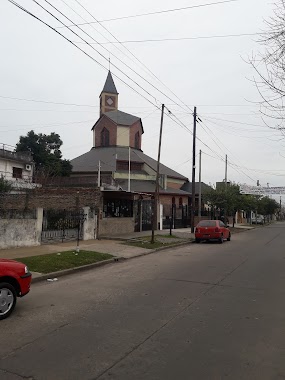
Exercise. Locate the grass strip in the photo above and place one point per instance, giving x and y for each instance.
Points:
(54, 262)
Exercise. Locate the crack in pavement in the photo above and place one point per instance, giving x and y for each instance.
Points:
(210, 283)
(33, 341)
(167, 322)
(16, 374)
(273, 239)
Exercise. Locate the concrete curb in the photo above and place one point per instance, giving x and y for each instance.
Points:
(66, 272)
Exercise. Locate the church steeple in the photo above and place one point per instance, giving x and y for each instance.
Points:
(109, 96)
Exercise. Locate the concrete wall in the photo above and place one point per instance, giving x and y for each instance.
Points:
(90, 224)
(19, 231)
(116, 226)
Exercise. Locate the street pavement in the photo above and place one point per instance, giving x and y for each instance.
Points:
(202, 311)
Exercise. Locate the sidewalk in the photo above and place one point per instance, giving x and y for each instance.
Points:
(115, 248)
(108, 244)
(182, 233)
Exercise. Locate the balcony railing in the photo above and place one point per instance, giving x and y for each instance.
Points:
(8, 152)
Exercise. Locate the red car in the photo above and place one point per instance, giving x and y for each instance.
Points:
(15, 281)
(212, 230)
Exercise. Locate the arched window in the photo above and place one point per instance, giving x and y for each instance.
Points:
(137, 140)
(180, 201)
(173, 200)
(105, 137)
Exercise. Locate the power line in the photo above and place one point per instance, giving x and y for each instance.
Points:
(225, 148)
(83, 51)
(181, 38)
(43, 125)
(239, 122)
(151, 84)
(145, 68)
(160, 12)
(47, 102)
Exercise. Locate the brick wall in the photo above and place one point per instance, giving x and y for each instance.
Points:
(173, 185)
(53, 198)
(112, 128)
(133, 130)
(167, 199)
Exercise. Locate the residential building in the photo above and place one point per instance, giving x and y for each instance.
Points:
(16, 167)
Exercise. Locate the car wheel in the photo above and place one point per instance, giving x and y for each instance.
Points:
(229, 238)
(8, 299)
(221, 240)
(197, 240)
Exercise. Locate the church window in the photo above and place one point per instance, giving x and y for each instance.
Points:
(105, 137)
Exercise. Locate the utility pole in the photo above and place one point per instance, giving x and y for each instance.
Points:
(193, 170)
(200, 186)
(226, 171)
(226, 185)
(99, 174)
(129, 177)
(156, 196)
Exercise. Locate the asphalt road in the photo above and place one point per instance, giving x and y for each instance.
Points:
(205, 311)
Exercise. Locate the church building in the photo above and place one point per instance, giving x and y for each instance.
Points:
(117, 147)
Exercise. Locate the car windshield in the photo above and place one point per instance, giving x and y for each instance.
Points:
(207, 223)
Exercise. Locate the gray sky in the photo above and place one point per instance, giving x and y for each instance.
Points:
(36, 63)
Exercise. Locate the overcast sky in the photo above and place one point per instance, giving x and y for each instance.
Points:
(36, 63)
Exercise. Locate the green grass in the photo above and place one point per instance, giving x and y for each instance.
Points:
(53, 262)
(146, 243)
(169, 236)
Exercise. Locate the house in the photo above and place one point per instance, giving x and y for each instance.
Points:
(118, 162)
(16, 167)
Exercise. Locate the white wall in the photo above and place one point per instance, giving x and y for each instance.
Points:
(6, 169)
(123, 136)
(19, 232)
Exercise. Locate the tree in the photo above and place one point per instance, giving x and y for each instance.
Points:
(269, 67)
(46, 153)
(5, 186)
(267, 206)
(224, 198)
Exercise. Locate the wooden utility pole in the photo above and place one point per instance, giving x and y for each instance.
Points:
(156, 196)
(129, 175)
(193, 170)
(226, 171)
(200, 186)
(226, 185)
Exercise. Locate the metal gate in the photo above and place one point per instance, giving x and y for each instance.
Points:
(62, 225)
(143, 216)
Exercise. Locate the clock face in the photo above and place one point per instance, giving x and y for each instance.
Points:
(110, 101)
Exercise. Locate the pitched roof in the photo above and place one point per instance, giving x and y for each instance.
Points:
(110, 85)
(88, 162)
(188, 187)
(122, 118)
(148, 187)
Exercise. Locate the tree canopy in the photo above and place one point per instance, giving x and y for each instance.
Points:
(46, 153)
(269, 67)
(228, 199)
